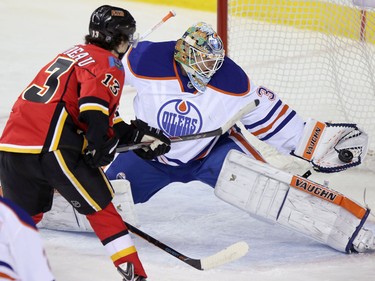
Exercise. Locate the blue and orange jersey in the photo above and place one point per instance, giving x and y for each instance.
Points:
(22, 255)
(167, 100)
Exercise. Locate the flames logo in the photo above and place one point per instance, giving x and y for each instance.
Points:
(179, 117)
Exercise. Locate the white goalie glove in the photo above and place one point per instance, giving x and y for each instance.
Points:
(332, 147)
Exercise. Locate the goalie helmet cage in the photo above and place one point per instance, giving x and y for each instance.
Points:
(319, 56)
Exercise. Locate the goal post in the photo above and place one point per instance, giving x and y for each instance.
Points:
(319, 56)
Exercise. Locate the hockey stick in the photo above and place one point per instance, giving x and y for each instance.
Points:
(156, 26)
(217, 132)
(233, 252)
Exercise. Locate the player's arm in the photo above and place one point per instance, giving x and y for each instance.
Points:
(96, 98)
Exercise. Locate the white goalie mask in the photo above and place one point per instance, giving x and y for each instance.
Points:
(201, 53)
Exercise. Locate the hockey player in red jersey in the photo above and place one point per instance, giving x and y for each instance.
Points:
(65, 126)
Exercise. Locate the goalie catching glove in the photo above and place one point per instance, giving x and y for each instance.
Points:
(138, 132)
(332, 147)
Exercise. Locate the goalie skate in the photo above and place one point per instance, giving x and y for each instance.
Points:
(364, 241)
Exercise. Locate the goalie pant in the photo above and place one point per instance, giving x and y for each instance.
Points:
(295, 203)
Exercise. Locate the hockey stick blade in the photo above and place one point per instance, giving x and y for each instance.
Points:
(229, 254)
(217, 132)
(233, 252)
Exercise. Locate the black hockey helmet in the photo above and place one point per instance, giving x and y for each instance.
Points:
(107, 22)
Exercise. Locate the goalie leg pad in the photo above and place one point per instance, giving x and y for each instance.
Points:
(64, 217)
(268, 193)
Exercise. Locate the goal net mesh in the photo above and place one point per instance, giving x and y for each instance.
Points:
(319, 56)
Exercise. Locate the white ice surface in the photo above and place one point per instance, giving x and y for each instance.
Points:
(189, 218)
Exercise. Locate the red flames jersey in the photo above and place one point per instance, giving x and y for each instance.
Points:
(45, 115)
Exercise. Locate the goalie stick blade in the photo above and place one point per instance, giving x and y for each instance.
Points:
(227, 255)
(217, 132)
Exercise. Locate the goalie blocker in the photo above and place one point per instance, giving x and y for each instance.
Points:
(294, 202)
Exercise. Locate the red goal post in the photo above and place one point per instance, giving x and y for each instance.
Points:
(319, 56)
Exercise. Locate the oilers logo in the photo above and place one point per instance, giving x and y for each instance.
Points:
(179, 117)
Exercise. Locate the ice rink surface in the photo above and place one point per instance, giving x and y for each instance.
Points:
(189, 218)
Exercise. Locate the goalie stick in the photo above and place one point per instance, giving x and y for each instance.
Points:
(217, 132)
(231, 253)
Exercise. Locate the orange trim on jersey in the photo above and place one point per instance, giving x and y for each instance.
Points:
(265, 129)
(203, 155)
(25, 224)
(240, 138)
(327, 194)
(230, 93)
(6, 276)
(179, 79)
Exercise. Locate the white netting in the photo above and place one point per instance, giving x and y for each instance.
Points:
(317, 55)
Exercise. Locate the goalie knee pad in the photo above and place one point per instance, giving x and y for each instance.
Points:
(294, 202)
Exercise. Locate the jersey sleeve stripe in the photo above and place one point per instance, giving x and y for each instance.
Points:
(265, 119)
(282, 125)
(267, 128)
(4, 264)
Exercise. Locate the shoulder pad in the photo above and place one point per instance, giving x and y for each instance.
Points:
(152, 60)
(231, 79)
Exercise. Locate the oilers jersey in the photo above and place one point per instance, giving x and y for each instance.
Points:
(167, 100)
(21, 250)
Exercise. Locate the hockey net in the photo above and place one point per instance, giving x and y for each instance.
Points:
(319, 56)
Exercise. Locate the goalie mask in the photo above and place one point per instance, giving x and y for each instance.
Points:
(111, 25)
(201, 53)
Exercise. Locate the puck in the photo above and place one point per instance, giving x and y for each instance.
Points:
(345, 155)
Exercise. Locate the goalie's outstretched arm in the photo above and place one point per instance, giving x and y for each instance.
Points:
(330, 147)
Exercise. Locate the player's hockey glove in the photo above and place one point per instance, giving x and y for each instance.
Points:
(160, 145)
(99, 156)
(139, 131)
(332, 147)
(101, 148)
